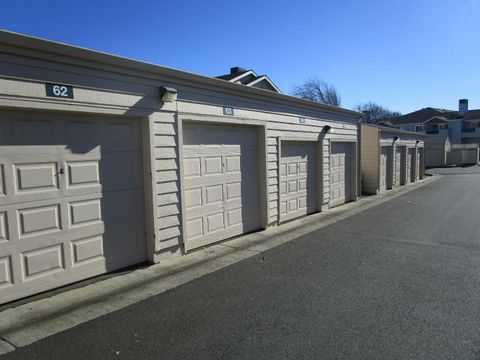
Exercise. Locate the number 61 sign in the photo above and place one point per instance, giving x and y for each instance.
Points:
(59, 91)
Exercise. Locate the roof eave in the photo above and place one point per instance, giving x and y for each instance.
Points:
(43, 45)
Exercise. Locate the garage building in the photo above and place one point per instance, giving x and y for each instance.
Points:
(465, 154)
(107, 162)
(436, 151)
(390, 157)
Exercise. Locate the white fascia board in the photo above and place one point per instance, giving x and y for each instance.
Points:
(264, 78)
(241, 76)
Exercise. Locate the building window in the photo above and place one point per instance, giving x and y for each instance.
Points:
(418, 128)
(443, 126)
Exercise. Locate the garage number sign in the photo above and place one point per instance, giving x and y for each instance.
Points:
(228, 110)
(59, 91)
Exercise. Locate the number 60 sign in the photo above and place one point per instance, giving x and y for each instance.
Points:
(59, 91)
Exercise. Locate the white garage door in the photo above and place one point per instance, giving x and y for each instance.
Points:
(435, 155)
(71, 200)
(298, 179)
(398, 166)
(409, 164)
(221, 185)
(341, 163)
(418, 175)
(383, 168)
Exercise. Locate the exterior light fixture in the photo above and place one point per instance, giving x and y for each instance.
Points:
(417, 142)
(395, 138)
(168, 94)
(327, 129)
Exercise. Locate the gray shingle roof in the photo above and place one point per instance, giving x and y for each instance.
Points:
(231, 76)
(420, 116)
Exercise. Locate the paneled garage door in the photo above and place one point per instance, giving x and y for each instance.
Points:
(298, 179)
(435, 155)
(410, 165)
(383, 168)
(221, 183)
(398, 166)
(71, 200)
(422, 162)
(417, 164)
(341, 159)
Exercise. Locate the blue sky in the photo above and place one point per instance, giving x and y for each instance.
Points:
(401, 54)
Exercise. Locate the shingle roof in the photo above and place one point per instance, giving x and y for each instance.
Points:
(473, 114)
(420, 116)
(231, 76)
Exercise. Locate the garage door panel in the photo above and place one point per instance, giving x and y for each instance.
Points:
(70, 209)
(2, 180)
(234, 217)
(221, 182)
(87, 250)
(28, 178)
(41, 262)
(3, 226)
(83, 173)
(84, 212)
(192, 167)
(213, 165)
(36, 176)
(193, 198)
(38, 220)
(5, 272)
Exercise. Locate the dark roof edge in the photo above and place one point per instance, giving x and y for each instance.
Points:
(27, 41)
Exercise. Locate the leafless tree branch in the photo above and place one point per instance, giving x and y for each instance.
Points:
(315, 89)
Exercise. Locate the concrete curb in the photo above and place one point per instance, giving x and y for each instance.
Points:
(28, 323)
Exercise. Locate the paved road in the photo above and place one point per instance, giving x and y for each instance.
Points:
(398, 281)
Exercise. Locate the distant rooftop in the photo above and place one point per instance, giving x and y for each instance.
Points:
(429, 113)
(246, 77)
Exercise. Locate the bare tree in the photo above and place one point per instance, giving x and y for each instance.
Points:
(375, 112)
(315, 89)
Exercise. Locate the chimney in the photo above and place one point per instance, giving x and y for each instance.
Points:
(462, 107)
(237, 70)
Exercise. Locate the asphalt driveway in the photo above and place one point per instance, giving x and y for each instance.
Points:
(398, 281)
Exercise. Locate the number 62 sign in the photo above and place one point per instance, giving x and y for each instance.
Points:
(59, 91)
